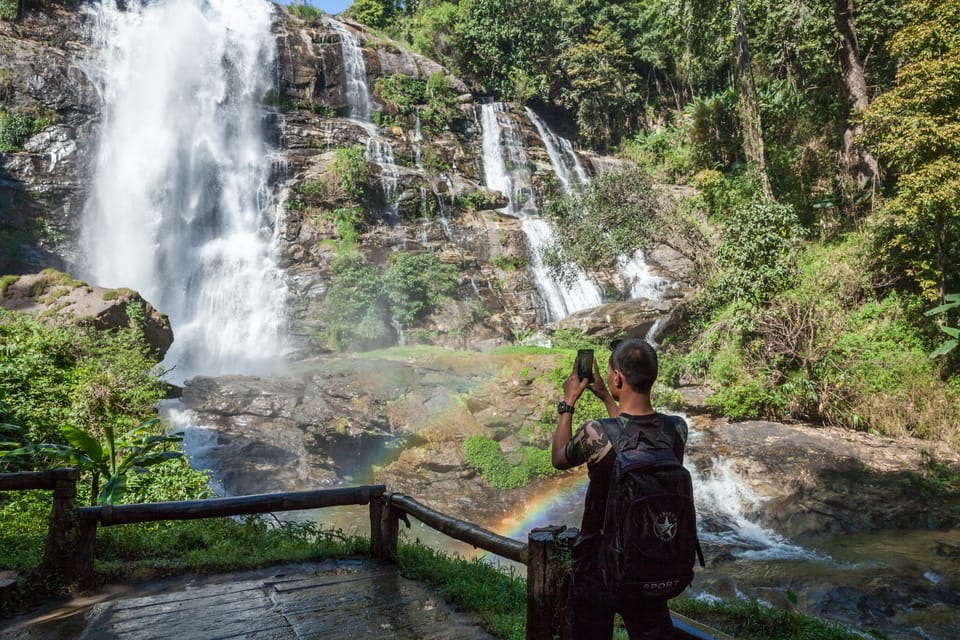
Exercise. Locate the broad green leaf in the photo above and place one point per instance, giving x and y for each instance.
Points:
(944, 349)
(113, 490)
(143, 426)
(156, 458)
(82, 441)
(942, 308)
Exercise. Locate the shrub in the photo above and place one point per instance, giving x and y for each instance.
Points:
(757, 256)
(416, 284)
(16, 128)
(304, 11)
(485, 455)
(351, 167)
(54, 376)
(9, 9)
(353, 311)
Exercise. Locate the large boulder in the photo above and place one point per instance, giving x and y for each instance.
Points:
(55, 296)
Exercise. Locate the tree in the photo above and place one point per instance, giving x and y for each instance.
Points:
(378, 14)
(600, 85)
(508, 46)
(747, 100)
(857, 159)
(915, 128)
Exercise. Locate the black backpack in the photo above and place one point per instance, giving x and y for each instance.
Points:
(649, 541)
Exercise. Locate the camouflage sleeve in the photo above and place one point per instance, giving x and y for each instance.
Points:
(588, 444)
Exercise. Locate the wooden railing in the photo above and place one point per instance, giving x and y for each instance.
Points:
(69, 551)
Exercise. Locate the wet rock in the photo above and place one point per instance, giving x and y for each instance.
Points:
(821, 480)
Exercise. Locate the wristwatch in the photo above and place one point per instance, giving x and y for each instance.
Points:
(563, 407)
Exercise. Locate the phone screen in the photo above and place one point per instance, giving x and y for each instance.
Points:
(585, 364)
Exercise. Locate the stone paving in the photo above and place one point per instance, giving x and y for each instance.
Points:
(348, 599)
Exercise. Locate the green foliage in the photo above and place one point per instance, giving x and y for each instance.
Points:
(16, 128)
(351, 167)
(24, 519)
(402, 91)
(353, 316)
(57, 376)
(362, 305)
(475, 201)
(112, 459)
(758, 621)
(485, 455)
(665, 153)
(509, 47)
(714, 131)
(216, 544)
(433, 100)
(305, 11)
(616, 214)
(509, 263)
(756, 258)
(174, 480)
(9, 9)
(915, 126)
(477, 585)
(416, 284)
(378, 14)
(347, 221)
(951, 301)
(601, 84)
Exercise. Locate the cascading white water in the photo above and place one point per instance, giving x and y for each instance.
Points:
(570, 172)
(636, 272)
(511, 176)
(564, 160)
(360, 103)
(180, 206)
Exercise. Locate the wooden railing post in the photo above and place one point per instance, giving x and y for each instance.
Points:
(384, 529)
(86, 544)
(547, 578)
(60, 550)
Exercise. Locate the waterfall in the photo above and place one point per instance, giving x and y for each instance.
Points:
(181, 207)
(564, 160)
(360, 104)
(506, 169)
(570, 172)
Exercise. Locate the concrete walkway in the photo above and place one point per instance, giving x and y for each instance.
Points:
(348, 599)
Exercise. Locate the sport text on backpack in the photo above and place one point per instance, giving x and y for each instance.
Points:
(649, 541)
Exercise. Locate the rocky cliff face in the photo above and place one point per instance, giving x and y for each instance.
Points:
(43, 186)
(438, 203)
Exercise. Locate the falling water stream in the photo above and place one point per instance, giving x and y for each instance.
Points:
(506, 169)
(181, 206)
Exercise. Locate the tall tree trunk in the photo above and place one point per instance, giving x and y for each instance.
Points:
(748, 104)
(859, 162)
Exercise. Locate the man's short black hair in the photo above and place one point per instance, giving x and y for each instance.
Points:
(636, 361)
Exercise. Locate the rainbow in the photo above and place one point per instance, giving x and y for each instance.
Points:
(557, 501)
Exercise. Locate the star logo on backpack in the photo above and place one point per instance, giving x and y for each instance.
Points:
(665, 527)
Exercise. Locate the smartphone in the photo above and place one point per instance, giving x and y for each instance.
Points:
(585, 364)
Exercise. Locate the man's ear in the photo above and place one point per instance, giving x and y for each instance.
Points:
(617, 379)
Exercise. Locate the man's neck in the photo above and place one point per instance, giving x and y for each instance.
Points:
(635, 404)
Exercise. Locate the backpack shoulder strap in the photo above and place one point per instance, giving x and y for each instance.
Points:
(617, 434)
